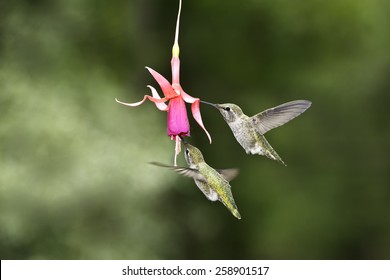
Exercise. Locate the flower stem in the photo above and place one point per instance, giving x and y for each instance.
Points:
(175, 48)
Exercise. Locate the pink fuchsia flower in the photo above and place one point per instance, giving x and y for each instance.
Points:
(177, 120)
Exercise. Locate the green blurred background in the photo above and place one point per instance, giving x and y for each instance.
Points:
(74, 178)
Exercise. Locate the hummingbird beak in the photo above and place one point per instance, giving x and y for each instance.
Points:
(182, 139)
(208, 103)
(185, 143)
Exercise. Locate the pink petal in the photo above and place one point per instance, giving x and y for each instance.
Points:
(196, 114)
(155, 100)
(166, 87)
(177, 120)
(195, 110)
(188, 98)
(161, 106)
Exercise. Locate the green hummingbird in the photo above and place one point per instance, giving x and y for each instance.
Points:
(249, 131)
(214, 183)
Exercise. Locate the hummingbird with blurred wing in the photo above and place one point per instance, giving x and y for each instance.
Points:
(249, 131)
(212, 182)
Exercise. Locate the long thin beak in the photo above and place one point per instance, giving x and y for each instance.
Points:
(182, 139)
(211, 104)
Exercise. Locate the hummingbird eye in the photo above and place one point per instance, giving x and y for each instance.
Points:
(187, 152)
(227, 109)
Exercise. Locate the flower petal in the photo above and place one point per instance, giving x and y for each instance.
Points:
(196, 114)
(177, 119)
(155, 100)
(160, 105)
(195, 110)
(188, 98)
(166, 87)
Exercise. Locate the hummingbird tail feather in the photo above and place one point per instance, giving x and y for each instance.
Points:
(269, 152)
(273, 155)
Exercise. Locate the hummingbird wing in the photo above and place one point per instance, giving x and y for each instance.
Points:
(279, 115)
(228, 174)
(189, 172)
(185, 171)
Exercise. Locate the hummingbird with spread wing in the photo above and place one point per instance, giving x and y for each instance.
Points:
(249, 131)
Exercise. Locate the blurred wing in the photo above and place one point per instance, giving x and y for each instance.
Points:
(279, 115)
(187, 172)
(229, 174)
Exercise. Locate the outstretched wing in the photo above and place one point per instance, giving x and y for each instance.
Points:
(185, 171)
(228, 174)
(279, 115)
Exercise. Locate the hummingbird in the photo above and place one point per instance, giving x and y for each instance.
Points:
(249, 131)
(214, 183)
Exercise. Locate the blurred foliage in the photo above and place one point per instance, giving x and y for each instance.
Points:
(74, 178)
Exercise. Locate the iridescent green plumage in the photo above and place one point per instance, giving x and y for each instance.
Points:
(213, 183)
